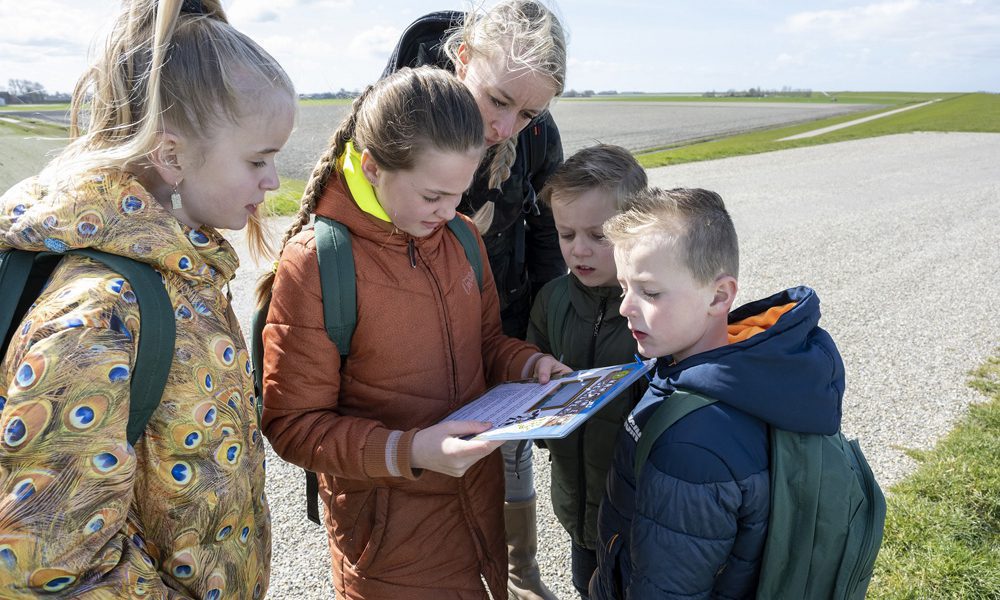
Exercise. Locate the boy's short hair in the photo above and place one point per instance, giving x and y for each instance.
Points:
(604, 166)
(694, 220)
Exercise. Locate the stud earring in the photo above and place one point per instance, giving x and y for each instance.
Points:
(175, 198)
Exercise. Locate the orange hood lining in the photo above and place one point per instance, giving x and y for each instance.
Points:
(751, 326)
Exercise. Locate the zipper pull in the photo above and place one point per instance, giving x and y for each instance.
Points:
(412, 251)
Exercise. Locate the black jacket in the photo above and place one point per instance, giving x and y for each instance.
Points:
(522, 242)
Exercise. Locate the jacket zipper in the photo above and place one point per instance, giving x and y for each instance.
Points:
(581, 514)
(412, 251)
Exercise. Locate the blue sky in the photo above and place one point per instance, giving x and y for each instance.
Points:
(625, 45)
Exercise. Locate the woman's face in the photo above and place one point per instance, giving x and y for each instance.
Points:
(508, 100)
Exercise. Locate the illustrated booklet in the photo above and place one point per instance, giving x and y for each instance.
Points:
(523, 410)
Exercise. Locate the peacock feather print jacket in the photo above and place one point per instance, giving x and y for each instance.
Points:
(83, 514)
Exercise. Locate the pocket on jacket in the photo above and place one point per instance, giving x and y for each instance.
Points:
(367, 512)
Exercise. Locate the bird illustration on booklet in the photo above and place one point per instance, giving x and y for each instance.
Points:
(525, 410)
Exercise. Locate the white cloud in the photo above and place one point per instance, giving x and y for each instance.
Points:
(374, 43)
(785, 60)
(265, 11)
(858, 22)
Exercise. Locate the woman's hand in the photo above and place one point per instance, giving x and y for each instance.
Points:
(440, 448)
(547, 366)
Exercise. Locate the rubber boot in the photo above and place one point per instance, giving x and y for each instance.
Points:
(524, 582)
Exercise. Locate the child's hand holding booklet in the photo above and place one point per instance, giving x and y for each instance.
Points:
(521, 410)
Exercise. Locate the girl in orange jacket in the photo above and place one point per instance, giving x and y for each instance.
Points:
(413, 510)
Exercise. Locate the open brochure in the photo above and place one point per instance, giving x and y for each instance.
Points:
(522, 410)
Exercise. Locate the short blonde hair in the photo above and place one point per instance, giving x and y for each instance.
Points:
(604, 166)
(693, 220)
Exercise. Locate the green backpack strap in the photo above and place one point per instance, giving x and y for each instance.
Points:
(672, 409)
(157, 327)
(470, 244)
(337, 281)
(557, 315)
(157, 335)
(15, 266)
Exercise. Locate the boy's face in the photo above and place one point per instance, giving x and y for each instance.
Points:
(587, 254)
(666, 308)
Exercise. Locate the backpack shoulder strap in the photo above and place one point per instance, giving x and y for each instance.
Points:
(338, 285)
(337, 282)
(557, 315)
(470, 244)
(672, 409)
(157, 335)
(15, 267)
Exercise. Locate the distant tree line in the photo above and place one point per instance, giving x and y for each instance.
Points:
(588, 93)
(760, 93)
(23, 91)
(339, 95)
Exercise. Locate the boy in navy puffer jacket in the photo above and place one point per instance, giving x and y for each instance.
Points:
(694, 524)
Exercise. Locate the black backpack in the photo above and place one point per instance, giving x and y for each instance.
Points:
(340, 307)
(23, 275)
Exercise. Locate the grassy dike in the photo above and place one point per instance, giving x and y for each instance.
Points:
(966, 112)
(942, 531)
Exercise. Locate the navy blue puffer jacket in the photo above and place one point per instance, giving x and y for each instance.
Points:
(694, 526)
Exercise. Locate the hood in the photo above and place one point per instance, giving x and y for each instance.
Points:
(779, 366)
(112, 213)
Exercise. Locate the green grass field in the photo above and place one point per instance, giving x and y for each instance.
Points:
(942, 532)
(892, 98)
(966, 112)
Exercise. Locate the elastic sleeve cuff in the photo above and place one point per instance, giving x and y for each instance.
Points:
(387, 453)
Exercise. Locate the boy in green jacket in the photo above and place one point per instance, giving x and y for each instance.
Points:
(575, 317)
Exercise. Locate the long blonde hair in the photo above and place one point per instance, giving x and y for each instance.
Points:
(165, 63)
(530, 37)
(394, 120)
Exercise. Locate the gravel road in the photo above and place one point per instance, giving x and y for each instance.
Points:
(899, 236)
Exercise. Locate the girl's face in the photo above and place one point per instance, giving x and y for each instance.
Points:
(224, 178)
(508, 100)
(421, 199)
(579, 223)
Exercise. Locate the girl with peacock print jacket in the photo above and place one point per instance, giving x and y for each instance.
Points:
(166, 160)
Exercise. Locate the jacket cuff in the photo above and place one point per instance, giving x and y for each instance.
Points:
(387, 453)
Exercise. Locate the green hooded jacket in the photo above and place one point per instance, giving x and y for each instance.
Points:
(595, 335)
